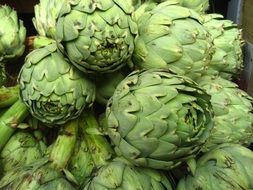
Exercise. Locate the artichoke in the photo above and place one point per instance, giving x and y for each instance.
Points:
(21, 149)
(227, 60)
(201, 6)
(228, 166)
(233, 112)
(158, 119)
(36, 176)
(13, 34)
(97, 36)
(52, 88)
(119, 175)
(171, 36)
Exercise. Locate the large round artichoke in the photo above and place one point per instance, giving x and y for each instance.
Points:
(228, 166)
(118, 175)
(21, 149)
(97, 36)
(52, 88)
(158, 119)
(233, 112)
(227, 61)
(172, 36)
(12, 34)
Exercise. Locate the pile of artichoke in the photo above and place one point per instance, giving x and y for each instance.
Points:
(133, 94)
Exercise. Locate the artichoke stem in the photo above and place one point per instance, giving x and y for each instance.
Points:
(9, 121)
(8, 96)
(64, 145)
(98, 145)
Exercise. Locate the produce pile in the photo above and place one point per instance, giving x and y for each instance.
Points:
(127, 95)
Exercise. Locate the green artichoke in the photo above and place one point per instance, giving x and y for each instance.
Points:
(37, 176)
(119, 175)
(233, 112)
(158, 119)
(97, 36)
(201, 6)
(228, 166)
(53, 89)
(227, 61)
(21, 149)
(12, 34)
(171, 36)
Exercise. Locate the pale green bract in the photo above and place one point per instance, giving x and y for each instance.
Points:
(118, 175)
(227, 60)
(172, 36)
(233, 112)
(21, 149)
(12, 34)
(53, 89)
(228, 166)
(97, 36)
(158, 119)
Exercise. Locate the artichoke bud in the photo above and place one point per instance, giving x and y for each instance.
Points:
(21, 143)
(38, 175)
(13, 34)
(224, 167)
(158, 119)
(120, 175)
(233, 112)
(171, 36)
(53, 90)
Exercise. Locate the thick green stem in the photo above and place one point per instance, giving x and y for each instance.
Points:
(8, 96)
(64, 145)
(98, 145)
(10, 120)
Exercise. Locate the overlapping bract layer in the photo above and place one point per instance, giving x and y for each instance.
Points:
(12, 34)
(158, 119)
(172, 36)
(227, 61)
(21, 149)
(119, 175)
(53, 89)
(97, 36)
(225, 167)
(233, 112)
(36, 176)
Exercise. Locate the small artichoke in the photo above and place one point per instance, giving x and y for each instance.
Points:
(171, 36)
(228, 166)
(97, 36)
(118, 175)
(158, 119)
(12, 34)
(21, 149)
(233, 112)
(36, 176)
(227, 60)
(52, 88)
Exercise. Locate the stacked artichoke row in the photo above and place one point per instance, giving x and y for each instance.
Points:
(126, 94)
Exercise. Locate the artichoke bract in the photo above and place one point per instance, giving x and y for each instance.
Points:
(53, 89)
(171, 36)
(97, 36)
(201, 6)
(228, 166)
(13, 34)
(233, 112)
(21, 149)
(36, 176)
(227, 60)
(119, 175)
(158, 119)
